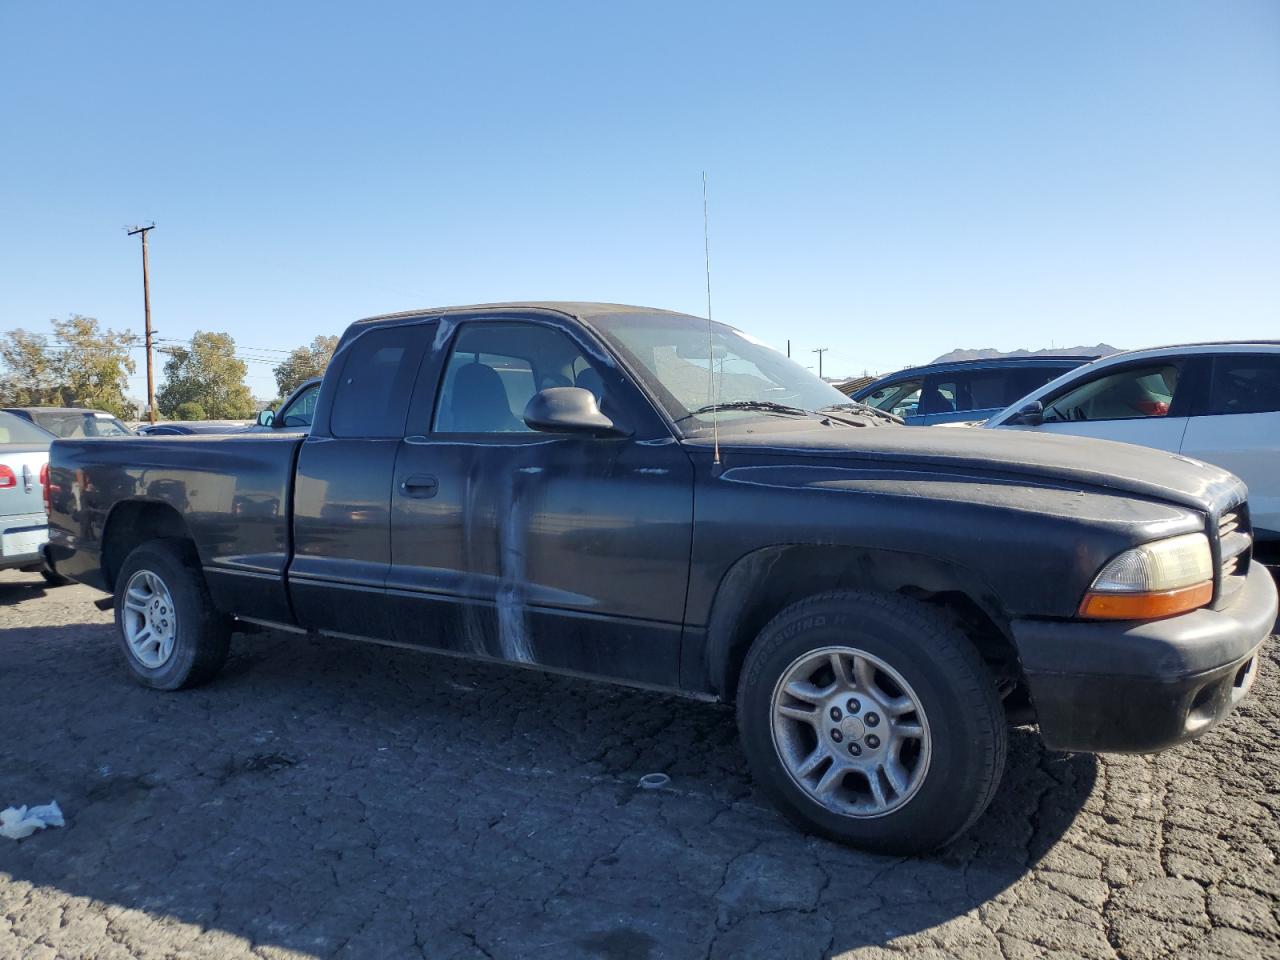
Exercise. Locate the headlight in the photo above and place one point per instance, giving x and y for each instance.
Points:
(1154, 580)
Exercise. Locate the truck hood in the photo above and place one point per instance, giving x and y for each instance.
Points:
(989, 454)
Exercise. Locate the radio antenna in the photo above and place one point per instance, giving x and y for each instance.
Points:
(713, 395)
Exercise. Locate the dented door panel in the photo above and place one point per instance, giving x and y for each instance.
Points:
(562, 551)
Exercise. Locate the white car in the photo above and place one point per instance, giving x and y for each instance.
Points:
(24, 467)
(1217, 402)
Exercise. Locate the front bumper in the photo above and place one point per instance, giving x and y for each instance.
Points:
(1140, 687)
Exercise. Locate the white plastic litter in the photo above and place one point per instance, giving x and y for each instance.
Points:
(654, 781)
(19, 822)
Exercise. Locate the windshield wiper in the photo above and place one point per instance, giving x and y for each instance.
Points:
(856, 407)
(767, 405)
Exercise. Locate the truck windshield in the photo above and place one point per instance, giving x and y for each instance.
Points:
(688, 368)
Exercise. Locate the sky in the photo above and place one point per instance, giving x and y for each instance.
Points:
(887, 180)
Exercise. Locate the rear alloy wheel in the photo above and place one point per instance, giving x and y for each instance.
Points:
(150, 622)
(871, 719)
(170, 631)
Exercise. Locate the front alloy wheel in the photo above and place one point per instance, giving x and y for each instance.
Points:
(850, 731)
(871, 718)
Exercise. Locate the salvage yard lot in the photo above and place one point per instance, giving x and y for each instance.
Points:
(330, 798)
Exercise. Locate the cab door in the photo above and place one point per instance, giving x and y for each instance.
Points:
(566, 551)
(342, 494)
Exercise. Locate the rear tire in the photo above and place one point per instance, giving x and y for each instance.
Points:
(171, 634)
(900, 752)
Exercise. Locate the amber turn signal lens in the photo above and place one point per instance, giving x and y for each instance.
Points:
(1145, 606)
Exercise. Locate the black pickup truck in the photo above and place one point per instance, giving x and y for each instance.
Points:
(650, 498)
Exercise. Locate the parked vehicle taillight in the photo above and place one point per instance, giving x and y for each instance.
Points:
(44, 483)
(7, 477)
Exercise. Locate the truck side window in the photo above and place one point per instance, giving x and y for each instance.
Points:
(1249, 383)
(372, 397)
(494, 370)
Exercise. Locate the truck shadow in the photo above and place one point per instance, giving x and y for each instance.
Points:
(15, 592)
(336, 798)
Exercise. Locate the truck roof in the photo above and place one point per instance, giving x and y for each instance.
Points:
(582, 309)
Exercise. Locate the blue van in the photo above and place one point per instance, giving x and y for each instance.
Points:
(962, 389)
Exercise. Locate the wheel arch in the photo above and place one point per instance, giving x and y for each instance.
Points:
(132, 523)
(764, 582)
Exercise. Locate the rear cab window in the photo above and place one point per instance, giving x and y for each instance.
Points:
(371, 399)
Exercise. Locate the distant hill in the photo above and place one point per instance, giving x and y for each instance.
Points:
(990, 353)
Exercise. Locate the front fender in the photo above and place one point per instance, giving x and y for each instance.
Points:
(761, 583)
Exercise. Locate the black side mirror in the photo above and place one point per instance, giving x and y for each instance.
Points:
(569, 410)
(1030, 415)
(266, 418)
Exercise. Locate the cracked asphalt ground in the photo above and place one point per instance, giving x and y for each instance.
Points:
(336, 799)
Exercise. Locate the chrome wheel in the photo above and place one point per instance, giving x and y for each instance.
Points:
(150, 623)
(850, 732)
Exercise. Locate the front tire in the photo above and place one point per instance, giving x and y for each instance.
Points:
(170, 632)
(871, 719)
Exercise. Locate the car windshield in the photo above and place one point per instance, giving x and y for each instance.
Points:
(76, 423)
(16, 430)
(688, 368)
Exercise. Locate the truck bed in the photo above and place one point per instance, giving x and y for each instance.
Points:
(232, 495)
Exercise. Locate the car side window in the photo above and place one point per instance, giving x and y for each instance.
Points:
(494, 369)
(372, 396)
(1249, 383)
(302, 411)
(939, 396)
(901, 399)
(1022, 382)
(1131, 394)
(979, 390)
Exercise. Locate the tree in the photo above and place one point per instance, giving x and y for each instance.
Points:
(95, 364)
(84, 366)
(190, 411)
(207, 374)
(29, 379)
(305, 363)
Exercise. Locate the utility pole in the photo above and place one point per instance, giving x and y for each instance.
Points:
(146, 308)
(820, 351)
(788, 349)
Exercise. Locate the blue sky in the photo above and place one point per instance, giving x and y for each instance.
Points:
(888, 180)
